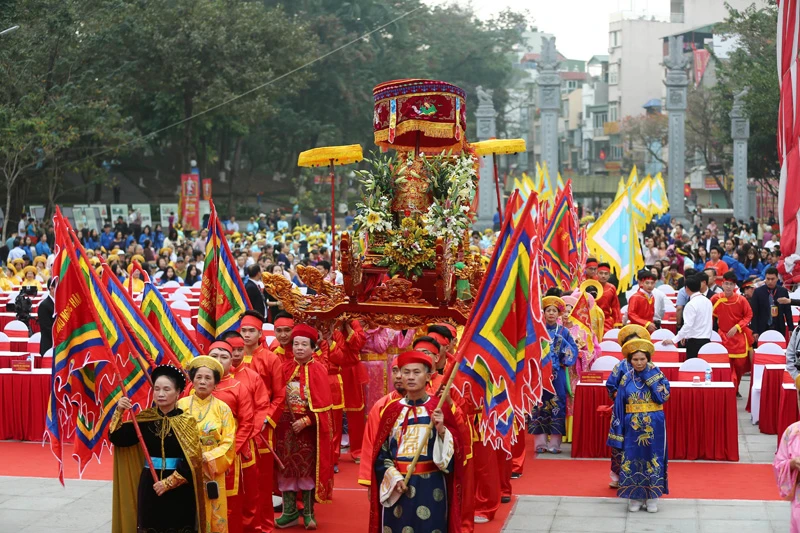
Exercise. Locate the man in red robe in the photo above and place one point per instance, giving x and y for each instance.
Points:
(234, 393)
(268, 367)
(641, 305)
(733, 314)
(608, 302)
(282, 345)
(342, 352)
(354, 377)
(304, 432)
(373, 418)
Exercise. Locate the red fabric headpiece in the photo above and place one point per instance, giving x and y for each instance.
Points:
(222, 345)
(591, 264)
(603, 269)
(453, 331)
(408, 358)
(425, 345)
(395, 364)
(251, 322)
(284, 322)
(236, 342)
(441, 339)
(304, 330)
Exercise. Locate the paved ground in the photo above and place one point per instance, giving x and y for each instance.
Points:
(39, 505)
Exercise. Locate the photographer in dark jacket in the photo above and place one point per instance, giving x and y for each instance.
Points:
(46, 319)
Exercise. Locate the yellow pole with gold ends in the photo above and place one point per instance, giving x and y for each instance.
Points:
(331, 156)
(494, 147)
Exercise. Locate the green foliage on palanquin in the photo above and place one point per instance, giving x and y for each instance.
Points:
(752, 65)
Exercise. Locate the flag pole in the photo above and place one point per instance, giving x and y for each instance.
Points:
(147, 457)
(332, 174)
(497, 187)
(445, 396)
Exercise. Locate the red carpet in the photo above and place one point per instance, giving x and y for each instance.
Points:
(349, 512)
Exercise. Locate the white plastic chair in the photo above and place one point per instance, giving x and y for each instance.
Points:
(696, 364)
(610, 347)
(611, 335)
(16, 329)
(669, 306)
(178, 296)
(34, 342)
(197, 284)
(267, 327)
(171, 285)
(661, 335)
(605, 362)
(714, 353)
(666, 289)
(715, 337)
(187, 323)
(184, 290)
(773, 337)
(768, 348)
(180, 308)
(5, 343)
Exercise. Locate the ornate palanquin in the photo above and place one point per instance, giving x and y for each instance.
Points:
(423, 120)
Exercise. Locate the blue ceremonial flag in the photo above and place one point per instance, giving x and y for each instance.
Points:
(499, 358)
(613, 238)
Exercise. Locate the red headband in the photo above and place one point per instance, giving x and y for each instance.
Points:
(425, 345)
(453, 331)
(395, 364)
(441, 339)
(591, 264)
(284, 322)
(603, 269)
(222, 345)
(408, 358)
(303, 330)
(250, 321)
(236, 342)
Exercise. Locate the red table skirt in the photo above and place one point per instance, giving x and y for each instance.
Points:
(589, 428)
(5, 360)
(770, 400)
(701, 423)
(788, 413)
(6, 318)
(23, 406)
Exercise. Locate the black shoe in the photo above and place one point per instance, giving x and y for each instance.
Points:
(516, 475)
(335, 469)
(505, 499)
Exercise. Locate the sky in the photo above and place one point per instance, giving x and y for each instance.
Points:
(580, 26)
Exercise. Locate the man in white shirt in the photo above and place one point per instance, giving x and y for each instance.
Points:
(17, 252)
(697, 320)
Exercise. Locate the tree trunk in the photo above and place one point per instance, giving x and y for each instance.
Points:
(237, 159)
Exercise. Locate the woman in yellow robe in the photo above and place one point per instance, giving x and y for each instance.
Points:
(40, 262)
(217, 429)
(29, 278)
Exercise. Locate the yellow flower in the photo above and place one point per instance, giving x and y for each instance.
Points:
(373, 218)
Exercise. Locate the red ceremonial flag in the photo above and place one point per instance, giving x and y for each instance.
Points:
(223, 298)
(90, 372)
(580, 316)
(560, 241)
(789, 126)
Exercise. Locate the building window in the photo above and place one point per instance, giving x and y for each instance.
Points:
(616, 148)
(613, 74)
(612, 112)
(599, 119)
(614, 39)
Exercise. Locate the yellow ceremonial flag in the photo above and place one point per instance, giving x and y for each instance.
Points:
(620, 188)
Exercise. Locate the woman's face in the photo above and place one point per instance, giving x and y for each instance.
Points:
(551, 315)
(567, 311)
(170, 273)
(277, 269)
(203, 382)
(639, 361)
(165, 394)
(119, 236)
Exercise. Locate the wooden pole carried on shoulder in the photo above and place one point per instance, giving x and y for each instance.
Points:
(429, 427)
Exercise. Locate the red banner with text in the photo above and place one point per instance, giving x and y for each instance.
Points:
(190, 201)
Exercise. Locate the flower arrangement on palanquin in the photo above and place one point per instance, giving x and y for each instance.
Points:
(414, 219)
